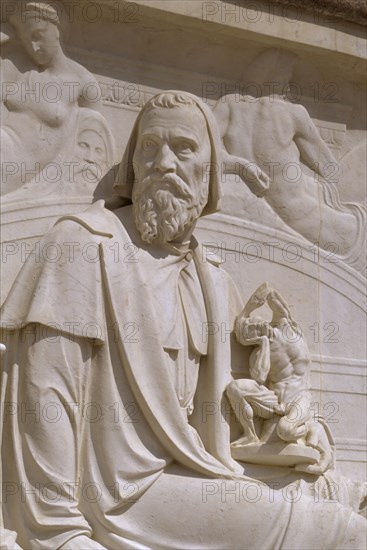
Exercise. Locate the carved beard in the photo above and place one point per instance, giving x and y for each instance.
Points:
(163, 206)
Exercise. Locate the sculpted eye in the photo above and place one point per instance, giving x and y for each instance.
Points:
(185, 148)
(37, 35)
(148, 145)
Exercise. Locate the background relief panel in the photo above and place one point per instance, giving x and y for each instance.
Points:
(277, 95)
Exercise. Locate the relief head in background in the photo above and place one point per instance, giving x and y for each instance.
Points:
(93, 152)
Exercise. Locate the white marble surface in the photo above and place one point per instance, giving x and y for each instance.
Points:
(310, 116)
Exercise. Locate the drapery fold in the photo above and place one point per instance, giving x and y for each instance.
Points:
(92, 424)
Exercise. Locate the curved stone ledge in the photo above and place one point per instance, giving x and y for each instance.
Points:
(315, 263)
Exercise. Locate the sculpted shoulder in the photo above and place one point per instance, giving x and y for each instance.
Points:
(300, 115)
(97, 220)
(84, 76)
(89, 89)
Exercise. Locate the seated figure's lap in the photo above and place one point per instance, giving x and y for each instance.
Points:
(184, 511)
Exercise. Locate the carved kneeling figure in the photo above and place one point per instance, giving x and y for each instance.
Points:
(277, 395)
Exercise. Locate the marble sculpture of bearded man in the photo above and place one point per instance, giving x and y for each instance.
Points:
(116, 425)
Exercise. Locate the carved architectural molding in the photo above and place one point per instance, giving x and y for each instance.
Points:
(350, 10)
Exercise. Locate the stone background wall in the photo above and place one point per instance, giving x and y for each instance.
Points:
(135, 49)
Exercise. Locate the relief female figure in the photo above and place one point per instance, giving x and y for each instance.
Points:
(42, 92)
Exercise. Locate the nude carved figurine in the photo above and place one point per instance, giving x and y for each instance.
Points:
(278, 390)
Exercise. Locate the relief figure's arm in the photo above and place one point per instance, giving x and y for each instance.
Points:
(221, 111)
(90, 92)
(251, 174)
(314, 152)
(256, 179)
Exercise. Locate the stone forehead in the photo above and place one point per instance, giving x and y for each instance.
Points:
(159, 111)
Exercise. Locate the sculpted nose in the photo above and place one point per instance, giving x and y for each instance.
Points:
(165, 160)
(90, 157)
(90, 160)
(87, 153)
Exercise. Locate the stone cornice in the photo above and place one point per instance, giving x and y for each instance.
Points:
(349, 10)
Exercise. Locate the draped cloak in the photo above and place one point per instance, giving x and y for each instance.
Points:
(91, 418)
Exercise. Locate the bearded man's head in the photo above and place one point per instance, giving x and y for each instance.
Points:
(172, 157)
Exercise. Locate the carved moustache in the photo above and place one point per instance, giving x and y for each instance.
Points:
(163, 182)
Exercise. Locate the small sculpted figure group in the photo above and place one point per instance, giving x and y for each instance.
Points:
(278, 391)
